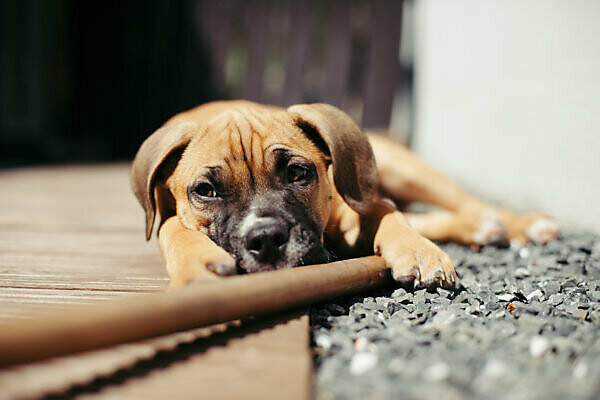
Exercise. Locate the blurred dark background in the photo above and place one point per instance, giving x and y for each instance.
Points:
(89, 80)
(502, 103)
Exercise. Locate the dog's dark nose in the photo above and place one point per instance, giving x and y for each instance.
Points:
(266, 241)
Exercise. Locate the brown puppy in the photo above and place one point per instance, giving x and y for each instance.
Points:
(242, 187)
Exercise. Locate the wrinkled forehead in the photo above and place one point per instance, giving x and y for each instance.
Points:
(248, 136)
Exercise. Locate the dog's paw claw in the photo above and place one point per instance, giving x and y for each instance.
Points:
(446, 280)
(542, 231)
(408, 280)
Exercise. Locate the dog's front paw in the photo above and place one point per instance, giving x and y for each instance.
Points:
(210, 265)
(416, 262)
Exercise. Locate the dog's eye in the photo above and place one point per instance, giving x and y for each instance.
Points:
(205, 189)
(297, 172)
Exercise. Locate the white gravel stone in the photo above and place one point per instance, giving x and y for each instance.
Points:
(522, 273)
(580, 371)
(442, 318)
(506, 297)
(494, 369)
(536, 294)
(436, 372)
(362, 362)
(524, 252)
(538, 346)
(323, 341)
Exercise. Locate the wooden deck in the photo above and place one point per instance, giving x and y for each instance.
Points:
(74, 235)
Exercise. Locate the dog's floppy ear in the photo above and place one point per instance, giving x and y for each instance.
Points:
(152, 154)
(354, 169)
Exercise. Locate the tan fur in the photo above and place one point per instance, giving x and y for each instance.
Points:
(239, 136)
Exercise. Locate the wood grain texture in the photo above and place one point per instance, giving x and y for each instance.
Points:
(264, 359)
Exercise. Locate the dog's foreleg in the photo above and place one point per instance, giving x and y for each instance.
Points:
(414, 260)
(191, 255)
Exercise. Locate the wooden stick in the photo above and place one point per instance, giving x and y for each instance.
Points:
(91, 327)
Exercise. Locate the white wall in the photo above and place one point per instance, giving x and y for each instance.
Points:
(508, 101)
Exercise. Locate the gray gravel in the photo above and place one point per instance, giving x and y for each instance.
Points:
(525, 325)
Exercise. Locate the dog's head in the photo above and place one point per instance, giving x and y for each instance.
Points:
(256, 180)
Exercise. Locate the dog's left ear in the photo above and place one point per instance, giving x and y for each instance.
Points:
(353, 162)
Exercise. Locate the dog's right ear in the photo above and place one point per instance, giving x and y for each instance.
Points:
(152, 154)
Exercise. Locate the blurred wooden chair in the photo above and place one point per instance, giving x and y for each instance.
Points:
(358, 60)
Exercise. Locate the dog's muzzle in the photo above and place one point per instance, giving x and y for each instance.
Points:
(275, 239)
